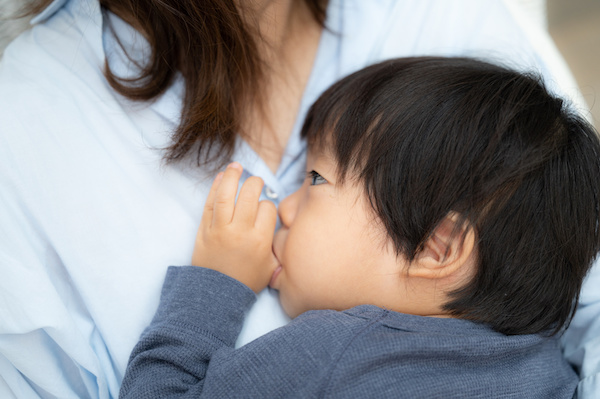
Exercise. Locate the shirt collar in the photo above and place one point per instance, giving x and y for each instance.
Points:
(48, 11)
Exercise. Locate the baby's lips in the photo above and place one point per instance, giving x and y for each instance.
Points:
(274, 277)
(277, 269)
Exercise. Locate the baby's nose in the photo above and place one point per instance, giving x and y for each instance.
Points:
(288, 207)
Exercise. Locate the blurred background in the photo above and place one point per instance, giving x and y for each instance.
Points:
(575, 27)
(573, 24)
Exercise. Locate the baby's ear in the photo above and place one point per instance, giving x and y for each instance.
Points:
(447, 251)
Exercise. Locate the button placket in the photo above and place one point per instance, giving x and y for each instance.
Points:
(270, 193)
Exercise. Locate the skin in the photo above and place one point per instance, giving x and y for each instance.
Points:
(235, 238)
(287, 43)
(330, 252)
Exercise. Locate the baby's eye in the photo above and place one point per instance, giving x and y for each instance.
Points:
(315, 178)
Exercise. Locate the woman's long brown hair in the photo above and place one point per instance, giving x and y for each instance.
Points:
(215, 51)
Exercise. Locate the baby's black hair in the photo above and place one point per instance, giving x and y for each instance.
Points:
(428, 136)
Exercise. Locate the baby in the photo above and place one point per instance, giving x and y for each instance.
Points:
(435, 249)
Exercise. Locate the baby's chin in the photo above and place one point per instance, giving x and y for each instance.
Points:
(289, 307)
(293, 303)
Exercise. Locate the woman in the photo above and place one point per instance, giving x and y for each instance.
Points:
(115, 116)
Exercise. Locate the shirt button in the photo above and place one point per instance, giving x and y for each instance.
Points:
(270, 193)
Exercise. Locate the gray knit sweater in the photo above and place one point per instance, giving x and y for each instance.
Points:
(365, 352)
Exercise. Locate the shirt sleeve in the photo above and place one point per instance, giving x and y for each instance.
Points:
(188, 350)
(49, 345)
(43, 350)
(200, 312)
(581, 341)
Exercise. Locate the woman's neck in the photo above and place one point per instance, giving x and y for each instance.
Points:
(276, 23)
(287, 40)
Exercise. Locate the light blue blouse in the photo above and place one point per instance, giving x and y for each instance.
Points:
(90, 217)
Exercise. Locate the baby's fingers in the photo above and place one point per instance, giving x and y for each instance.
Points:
(266, 218)
(207, 214)
(225, 196)
(246, 206)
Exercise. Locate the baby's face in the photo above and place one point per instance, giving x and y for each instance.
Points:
(332, 251)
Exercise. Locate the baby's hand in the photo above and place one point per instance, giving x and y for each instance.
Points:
(236, 238)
